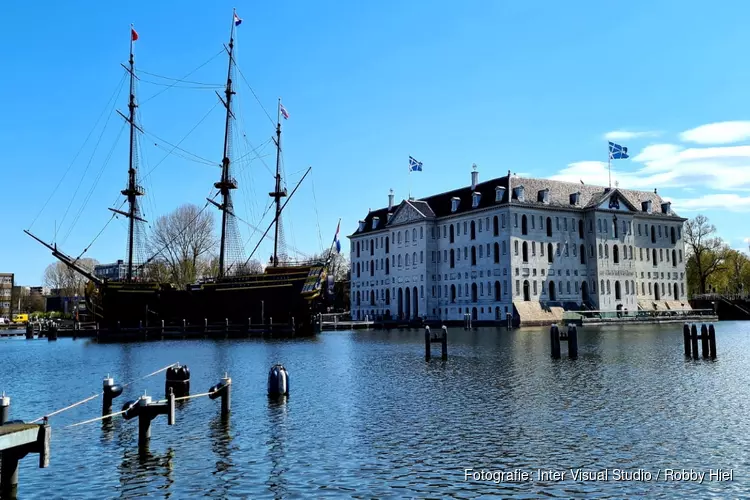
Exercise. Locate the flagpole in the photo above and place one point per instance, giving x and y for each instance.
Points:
(609, 164)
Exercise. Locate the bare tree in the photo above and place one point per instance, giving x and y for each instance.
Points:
(706, 252)
(184, 240)
(66, 280)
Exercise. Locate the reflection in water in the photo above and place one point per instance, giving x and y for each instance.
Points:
(221, 440)
(141, 469)
(275, 445)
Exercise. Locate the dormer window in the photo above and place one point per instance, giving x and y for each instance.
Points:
(375, 221)
(575, 198)
(666, 208)
(543, 196)
(475, 197)
(389, 216)
(361, 226)
(499, 193)
(646, 206)
(518, 193)
(454, 203)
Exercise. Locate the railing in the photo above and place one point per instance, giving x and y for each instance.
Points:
(639, 314)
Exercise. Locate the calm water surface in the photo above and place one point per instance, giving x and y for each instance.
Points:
(368, 417)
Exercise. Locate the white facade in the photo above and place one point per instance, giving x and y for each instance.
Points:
(478, 250)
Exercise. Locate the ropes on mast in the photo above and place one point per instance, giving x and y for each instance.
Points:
(181, 79)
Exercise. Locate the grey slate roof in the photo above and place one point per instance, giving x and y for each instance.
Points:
(439, 205)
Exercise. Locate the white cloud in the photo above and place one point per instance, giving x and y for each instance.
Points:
(746, 240)
(718, 133)
(731, 202)
(624, 135)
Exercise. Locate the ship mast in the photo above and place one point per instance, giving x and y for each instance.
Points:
(226, 184)
(133, 190)
(278, 193)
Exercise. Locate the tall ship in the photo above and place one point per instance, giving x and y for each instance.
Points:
(285, 292)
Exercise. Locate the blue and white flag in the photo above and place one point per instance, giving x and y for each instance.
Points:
(414, 165)
(336, 238)
(237, 20)
(617, 152)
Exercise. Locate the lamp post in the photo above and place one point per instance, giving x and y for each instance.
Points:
(75, 317)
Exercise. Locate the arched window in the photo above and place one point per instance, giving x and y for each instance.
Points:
(414, 234)
(359, 298)
(606, 251)
(515, 247)
(615, 254)
(407, 259)
(414, 259)
(497, 251)
(473, 256)
(453, 259)
(387, 266)
(525, 250)
(674, 240)
(473, 292)
(387, 296)
(372, 268)
(627, 287)
(495, 226)
(618, 292)
(504, 248)
(614, 228)
(631, 252)
(674, 257)
(453, 293)
(549, 226)
(387, 245)
(399, 260)
(497, 291)
(653, 234)
(524, 225)
(580, 229)
(599, 225)
(550, 252)
(358, 269)
(399, 237)
(654, 254)
(473, 230)
(601, 288)
(582, 253)
(358, 249)
(601, 253)
(406, 236)
(609, 290)
(451, 234)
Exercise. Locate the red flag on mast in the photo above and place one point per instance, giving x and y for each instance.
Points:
(133, 34)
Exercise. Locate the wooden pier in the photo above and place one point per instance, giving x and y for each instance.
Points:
(16, 441)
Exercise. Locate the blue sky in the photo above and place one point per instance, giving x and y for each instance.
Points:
(532, 87)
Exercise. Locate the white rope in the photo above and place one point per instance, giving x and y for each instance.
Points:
(97, 395)
(97, 418)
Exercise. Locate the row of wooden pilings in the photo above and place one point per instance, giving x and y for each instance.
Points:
(571, 336)
(176, 386)
(707, 338)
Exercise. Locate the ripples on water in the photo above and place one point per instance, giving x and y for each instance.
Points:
(368, 417)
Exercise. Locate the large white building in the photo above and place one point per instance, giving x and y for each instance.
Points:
(529, 247)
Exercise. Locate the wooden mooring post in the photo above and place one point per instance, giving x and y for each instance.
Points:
(707, 337)
(441, 337)
(223, 390)
(146, 411)
(571, 336)
(17, 440)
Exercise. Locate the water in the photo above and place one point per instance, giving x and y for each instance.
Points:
(367, 417)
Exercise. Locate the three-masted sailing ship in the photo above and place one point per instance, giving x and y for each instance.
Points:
(286, 293)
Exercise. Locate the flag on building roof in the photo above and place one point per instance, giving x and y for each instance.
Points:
(617, 152)
(284, 112)
(237, 20)
(414, 165)
(133, 34)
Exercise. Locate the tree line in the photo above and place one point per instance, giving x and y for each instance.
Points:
(712, 266)
(184, 246)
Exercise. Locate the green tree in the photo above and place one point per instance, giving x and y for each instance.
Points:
(706, 253)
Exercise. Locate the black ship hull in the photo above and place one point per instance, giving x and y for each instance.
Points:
(289, 296)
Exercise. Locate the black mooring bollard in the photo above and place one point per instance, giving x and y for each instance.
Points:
(427, 342)
(686, 335)
(572, 341)
(704, 340)
(110, 391)
(4, 409)
(444, 342)
(278, 381)
(223, 390)
(694, 340)
(554, 337)
(29, 331)
(712, 341)
(178, 378)
(52, 331)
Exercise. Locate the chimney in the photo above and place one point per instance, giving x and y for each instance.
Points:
(474, 177)
(510, 189)
(390, 200)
